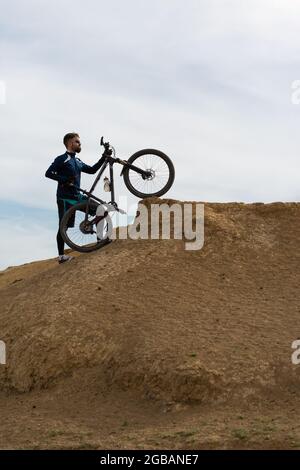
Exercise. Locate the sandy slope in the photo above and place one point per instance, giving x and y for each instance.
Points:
(143, 344)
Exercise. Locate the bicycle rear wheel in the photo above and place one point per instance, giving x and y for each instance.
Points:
(162, 173)
(83, 235)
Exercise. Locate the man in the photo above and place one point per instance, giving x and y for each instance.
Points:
(66, 170)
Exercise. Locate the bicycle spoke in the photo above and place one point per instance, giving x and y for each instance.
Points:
(76, 235)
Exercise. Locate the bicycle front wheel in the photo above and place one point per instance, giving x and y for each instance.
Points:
(158, 164)
(83, 234)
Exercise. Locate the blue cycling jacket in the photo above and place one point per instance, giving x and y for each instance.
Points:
(67, 168)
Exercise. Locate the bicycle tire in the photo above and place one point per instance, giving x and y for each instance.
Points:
(163, 190)
(64, 229)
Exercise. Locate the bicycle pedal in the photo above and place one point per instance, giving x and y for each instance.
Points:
(111, 207)
(121, 211)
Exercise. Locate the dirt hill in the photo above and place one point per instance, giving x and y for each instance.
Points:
(146, 345)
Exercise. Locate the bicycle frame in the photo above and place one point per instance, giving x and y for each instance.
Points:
(93, 209)
(109, 160)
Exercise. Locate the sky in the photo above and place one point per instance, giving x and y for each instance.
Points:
(208, 82)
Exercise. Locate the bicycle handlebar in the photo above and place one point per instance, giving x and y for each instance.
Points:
(104, 144)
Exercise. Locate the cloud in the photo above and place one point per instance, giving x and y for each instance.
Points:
(26, 234)
(208, 83)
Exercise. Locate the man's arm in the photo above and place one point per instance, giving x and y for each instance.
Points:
(92, 169)
(53, 171)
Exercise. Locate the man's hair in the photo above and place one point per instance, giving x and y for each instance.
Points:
(68, 137)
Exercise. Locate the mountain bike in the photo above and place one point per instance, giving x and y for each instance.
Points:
(87, 225)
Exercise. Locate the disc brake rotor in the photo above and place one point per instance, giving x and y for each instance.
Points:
(86, 228)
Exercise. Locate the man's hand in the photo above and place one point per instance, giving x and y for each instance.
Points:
(107, 153)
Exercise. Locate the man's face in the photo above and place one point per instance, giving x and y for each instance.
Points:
(75, 145)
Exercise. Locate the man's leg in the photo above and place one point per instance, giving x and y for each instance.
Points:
(59, 239)
(60, 243)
